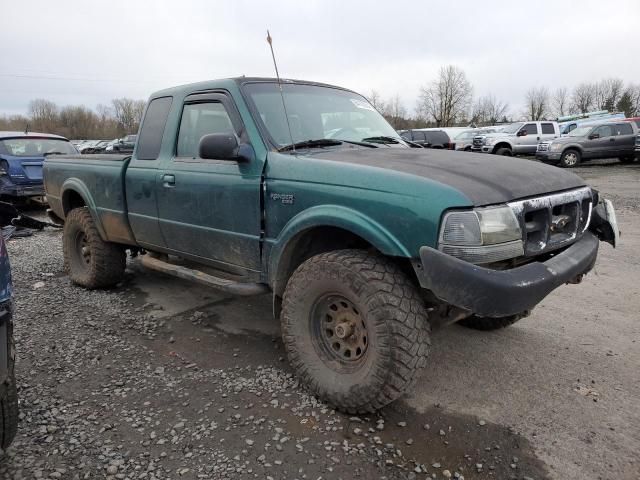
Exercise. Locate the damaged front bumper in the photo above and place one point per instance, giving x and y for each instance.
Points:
(487, 292)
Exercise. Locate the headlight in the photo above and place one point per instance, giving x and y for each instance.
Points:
(555, 147)
(489, 141)
(483, 235)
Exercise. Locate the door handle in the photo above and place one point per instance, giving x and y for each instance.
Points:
(538, 138)
(168, 181)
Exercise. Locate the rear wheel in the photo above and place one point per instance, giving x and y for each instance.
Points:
(570, 158)
(355, 329)
(486, 323)
(504, 151)
(90, 261)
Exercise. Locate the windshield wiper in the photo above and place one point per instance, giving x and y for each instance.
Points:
(381, 139)
(321, 142)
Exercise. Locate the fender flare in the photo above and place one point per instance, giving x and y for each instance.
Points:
(76, 185)
(333, 216)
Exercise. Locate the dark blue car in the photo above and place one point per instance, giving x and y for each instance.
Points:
(8, 391)
(21, 157)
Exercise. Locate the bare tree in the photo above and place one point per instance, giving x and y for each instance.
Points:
(561, 101)
(395, 112)
(537, 103)
(447, 99)
(43, 115)
(128, 113)
(488, 111)
(376, 100)
(607, 93)
(583, 98)
(634, 94)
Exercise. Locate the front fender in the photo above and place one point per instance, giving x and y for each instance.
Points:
(78, 186)
(340, 217)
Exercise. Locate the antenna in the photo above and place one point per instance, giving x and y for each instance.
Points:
(284, 106)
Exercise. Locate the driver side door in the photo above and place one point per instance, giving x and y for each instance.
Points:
(528, 143)
(208, 209)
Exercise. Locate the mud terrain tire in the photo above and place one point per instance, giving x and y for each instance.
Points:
(90, 261)
(355, 329)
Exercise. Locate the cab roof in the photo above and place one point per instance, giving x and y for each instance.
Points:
(187, 89)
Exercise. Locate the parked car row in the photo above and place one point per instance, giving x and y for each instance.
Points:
(586, 137)
(119, 145)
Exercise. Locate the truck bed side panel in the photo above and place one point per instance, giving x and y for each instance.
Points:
(99, 180)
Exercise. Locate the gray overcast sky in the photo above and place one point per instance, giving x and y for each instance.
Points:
(90, 51)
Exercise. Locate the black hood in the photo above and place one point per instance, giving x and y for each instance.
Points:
(483, 178)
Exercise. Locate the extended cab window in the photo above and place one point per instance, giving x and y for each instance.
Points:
(198, 120)
(418, 136)
(547, 128)
(531, 129)
(153, 128)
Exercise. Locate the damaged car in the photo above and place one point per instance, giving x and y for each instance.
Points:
(303, 190)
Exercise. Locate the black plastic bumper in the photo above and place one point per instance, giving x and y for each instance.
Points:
(497, 293)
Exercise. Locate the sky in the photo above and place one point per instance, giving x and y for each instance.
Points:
(90, 51)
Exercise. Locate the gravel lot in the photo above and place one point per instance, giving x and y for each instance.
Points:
(163, 379)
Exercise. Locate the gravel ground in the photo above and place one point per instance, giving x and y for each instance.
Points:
(161, 379)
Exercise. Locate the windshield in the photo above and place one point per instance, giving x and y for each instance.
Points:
(317, 112)
(513, 128)
(467, 134)
(579, 132)
(37, 147)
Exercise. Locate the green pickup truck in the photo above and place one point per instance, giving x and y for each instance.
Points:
(303, 190)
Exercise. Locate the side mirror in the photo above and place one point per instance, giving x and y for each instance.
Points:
(522, 133)
(121, 142)
(219, 146)
(593, 136)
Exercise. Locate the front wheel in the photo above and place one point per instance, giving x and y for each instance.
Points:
(355, 329)
(505, 152)
(90, 261)
(570, 159)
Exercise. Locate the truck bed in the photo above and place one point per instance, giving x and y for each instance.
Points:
(100, 181)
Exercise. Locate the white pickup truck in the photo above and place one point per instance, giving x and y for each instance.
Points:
(520, 138)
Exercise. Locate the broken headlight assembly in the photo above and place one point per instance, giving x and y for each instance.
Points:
(482, 235)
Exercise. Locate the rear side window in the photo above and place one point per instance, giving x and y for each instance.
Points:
(531, 129)
(153, 128)
(548, 128)
(437, 138)
(624, 128)
(198, 120)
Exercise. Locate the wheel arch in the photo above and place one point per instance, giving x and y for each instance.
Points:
(321, 229)
(500, 145)
(75, 194)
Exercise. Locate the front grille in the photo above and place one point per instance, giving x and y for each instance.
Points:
(478, 141)
(543, 147)
(553, 221)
